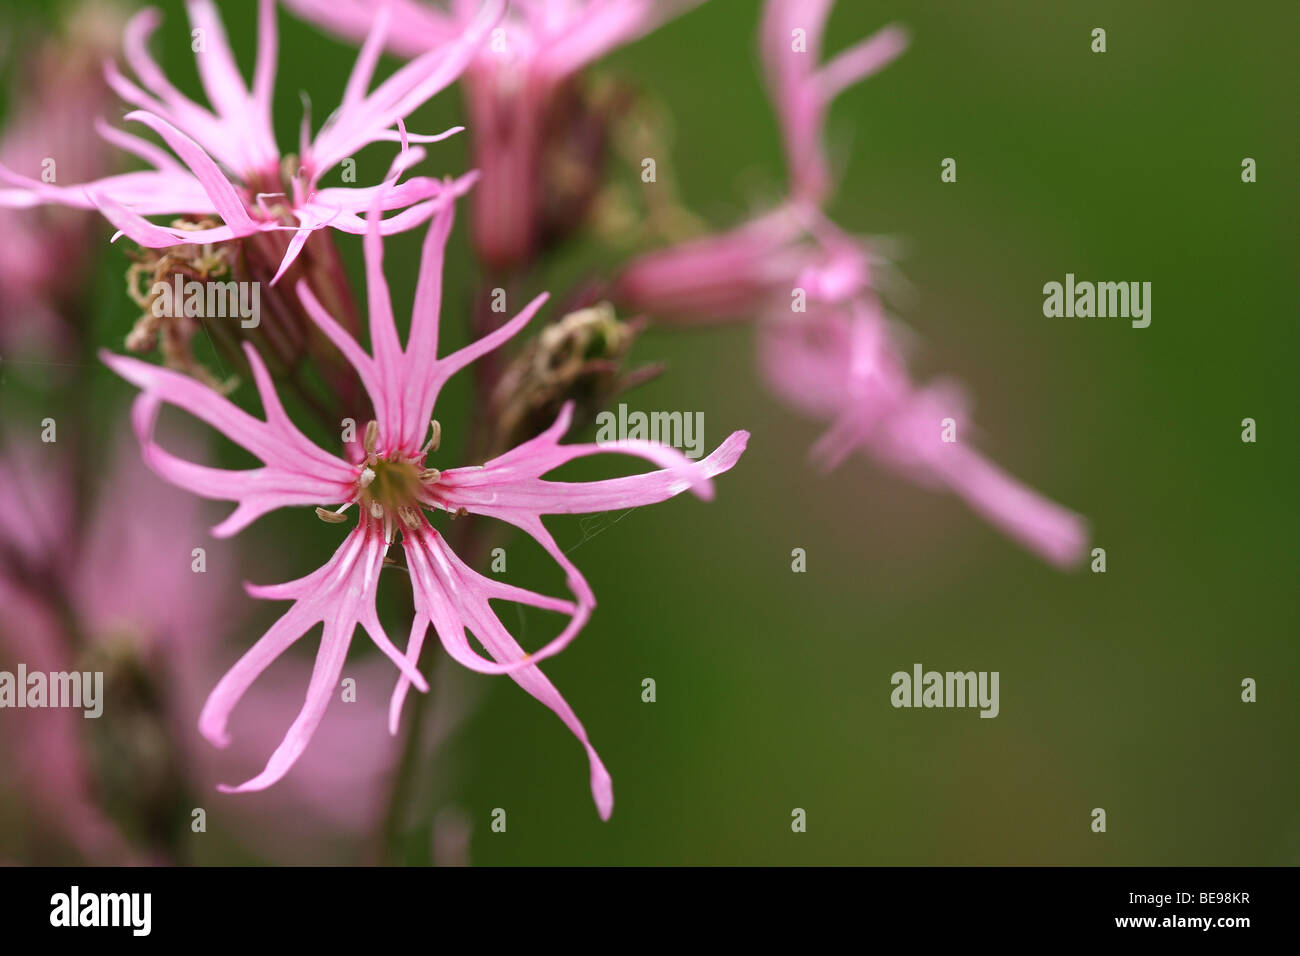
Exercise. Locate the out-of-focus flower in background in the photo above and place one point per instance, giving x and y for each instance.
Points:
(755, 267)
(230, 165)
(824, 343)
(97, 562)
(119, 594)
(802, 87)
(842, 363)
(537, 137)
(49, 128)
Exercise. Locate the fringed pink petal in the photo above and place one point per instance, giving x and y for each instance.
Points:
(454, 598)
(296, 471)
(862, 60)
(324, 681)
(225, 198)
(151, 154)
(363, 70)
(427, 306)
(218, 72)
(511, 484)
(802, 90)
(167, 101)
(143, 232)
(428, 374)
(268, 42)
(345, 343)
(593, 30)
(1053, 532)
(341, 594)
(215, 716)
(415, 26)
(362, 120)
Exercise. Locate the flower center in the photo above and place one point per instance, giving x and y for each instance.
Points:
(389, 488)
(390, 485)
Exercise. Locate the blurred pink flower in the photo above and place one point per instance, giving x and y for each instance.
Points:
(758, 265)
(230, 165)
(508, 87)
(123, 585)
(841, 363)
(825, 345)
(51, 766)
(51, 117)
(37, 566)
(750, 269)
(386, 475)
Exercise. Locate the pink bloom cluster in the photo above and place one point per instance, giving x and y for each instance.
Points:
(389, 479)
(825, 342)
(230, 166)
(225, 164)
(508, 87)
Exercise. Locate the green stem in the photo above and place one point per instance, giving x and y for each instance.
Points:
(391, 824)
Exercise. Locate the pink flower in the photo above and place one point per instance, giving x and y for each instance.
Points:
(70, 592)
(841, 363)
(739, 273)
(825, 346)
(229, 164)
(508, 88)
(388, 478)
(120, 588)
(752, 268)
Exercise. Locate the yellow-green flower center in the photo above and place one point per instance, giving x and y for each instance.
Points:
(392, 485)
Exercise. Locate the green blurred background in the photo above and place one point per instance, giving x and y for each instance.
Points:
(1118, 690)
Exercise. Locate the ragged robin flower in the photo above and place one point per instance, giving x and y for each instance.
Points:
(389, 481)
(230, 166)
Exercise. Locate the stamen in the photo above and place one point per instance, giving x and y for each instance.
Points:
(376, 509)
(458, 513)
(367, 476)
(429, 476)
(435, 438)
(331, 517)
(372, 436)
(409, 517)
